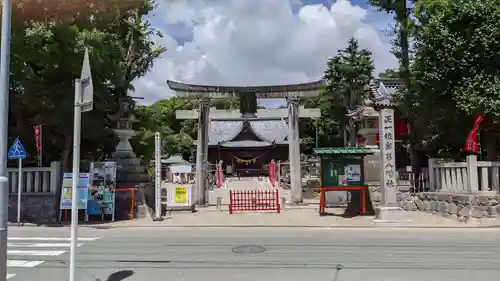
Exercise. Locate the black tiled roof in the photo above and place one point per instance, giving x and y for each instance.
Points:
(266, 131)
(382, 93)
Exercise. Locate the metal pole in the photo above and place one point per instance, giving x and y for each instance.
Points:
(4, 113)
(19, 190)
(76, 175)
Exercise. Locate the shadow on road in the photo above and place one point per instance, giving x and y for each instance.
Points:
(120, 275)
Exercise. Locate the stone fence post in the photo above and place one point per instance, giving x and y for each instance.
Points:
(55, 176)
(472, 175)
(432, 174)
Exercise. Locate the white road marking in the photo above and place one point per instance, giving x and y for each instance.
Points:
(20, 263)
(49, 239)
(41, 245)
(33, 248)
(34, 253)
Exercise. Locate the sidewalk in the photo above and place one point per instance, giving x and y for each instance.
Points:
(305, 216)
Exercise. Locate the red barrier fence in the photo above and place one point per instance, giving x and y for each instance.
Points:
(254, 200)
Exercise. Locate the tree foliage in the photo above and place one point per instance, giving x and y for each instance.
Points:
(178, 136)
(48, 47)
(390, 73)
(457, 67)
(347, 75)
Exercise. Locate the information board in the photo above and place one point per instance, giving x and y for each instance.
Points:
(102, 188)
(82, 187)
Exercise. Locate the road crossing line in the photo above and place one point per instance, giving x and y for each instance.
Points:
(82, 239)
(19, 263)
(41, 245)
(37, 248)
(35, 253)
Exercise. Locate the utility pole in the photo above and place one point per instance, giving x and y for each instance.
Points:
(84, 102)
(4, 115)
(400, 7)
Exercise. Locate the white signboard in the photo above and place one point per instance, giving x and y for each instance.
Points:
(353, 172)
(388, 167)
(87, 87)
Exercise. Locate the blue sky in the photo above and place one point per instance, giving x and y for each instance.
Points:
(253, 56)
(182, 33)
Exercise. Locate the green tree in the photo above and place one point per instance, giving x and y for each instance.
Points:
(456, 66)
(121, 50)
(178, 136)
(347, 76)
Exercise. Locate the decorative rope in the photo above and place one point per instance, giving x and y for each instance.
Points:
(246, 161)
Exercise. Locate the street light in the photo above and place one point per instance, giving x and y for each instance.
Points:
(4, 116)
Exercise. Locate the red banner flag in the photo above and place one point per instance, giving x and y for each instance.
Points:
(37, 131)
(471, 144)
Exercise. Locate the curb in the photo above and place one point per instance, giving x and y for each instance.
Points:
(293, 226)
(160, 225)
(12, 224)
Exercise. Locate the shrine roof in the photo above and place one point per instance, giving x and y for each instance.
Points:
(269, 91)
(266, 131)
(382, 93)
(383, 90)
(246, 143)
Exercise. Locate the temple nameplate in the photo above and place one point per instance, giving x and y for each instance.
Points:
(211, 95)
(261, 113)
(284, 95)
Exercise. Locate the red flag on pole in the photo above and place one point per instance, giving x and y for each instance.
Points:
(37, 131)
(471, 144)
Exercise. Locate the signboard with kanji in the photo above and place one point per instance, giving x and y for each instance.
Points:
(388, 163)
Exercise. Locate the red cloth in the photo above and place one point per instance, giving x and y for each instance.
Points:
(471, 144)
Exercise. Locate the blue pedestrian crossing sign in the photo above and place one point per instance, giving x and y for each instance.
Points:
(16, 151)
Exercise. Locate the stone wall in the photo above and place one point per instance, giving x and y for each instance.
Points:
(37, 208)
(404, 196)
(460, 206)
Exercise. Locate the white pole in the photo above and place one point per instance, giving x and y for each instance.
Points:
(157, 176)
(19, 190)
(76, 175)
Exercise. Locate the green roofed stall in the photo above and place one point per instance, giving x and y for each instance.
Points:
(342, 169)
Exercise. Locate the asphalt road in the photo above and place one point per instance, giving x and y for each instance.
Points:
(279, 254)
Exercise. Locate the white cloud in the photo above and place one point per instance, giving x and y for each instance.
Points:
(236, 42)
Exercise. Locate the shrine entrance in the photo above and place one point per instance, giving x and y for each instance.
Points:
(225, 135)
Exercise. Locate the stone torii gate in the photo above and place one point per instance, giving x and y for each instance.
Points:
(248, 96)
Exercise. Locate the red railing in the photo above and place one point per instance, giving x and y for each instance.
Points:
(254, 200)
